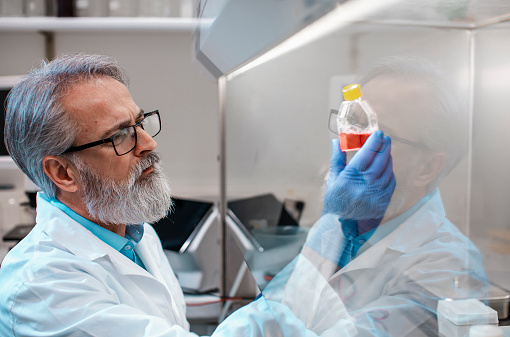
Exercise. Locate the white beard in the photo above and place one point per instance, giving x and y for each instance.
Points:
(135, 201)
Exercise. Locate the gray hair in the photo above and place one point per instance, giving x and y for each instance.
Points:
(36, 123)
(444, 127)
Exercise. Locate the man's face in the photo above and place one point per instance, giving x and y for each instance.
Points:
(102, 107)
(116, 189)
(399, 105)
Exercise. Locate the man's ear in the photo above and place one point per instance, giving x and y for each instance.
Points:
(430, 169)
(62, 172)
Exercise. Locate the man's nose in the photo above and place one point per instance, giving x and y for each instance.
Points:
(145, 142)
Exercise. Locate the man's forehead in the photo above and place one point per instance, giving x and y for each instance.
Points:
(99, 103)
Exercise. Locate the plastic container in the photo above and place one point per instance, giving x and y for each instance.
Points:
(356, 121)
(456, 317)
(485, 331)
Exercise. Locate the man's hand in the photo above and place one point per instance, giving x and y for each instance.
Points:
(361, 189)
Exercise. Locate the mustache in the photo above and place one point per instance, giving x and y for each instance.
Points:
(152, 159)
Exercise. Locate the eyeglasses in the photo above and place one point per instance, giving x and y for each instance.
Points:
(124, 140)
(333, 128)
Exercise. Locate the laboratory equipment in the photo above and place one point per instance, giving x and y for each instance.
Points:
(262, 25)
(258, 216)
(455, 317)
(268, 237)
(189, 238)
(356, 121)
(485, 331)
(183, 223)
(499, 300)
(17, 233)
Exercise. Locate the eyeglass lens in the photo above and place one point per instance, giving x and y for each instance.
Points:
(125, 140)
(151, 124)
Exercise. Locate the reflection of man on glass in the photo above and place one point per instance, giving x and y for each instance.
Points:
(391, 270)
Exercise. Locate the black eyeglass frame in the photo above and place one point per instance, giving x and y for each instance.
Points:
(110, 139)
(393, 138)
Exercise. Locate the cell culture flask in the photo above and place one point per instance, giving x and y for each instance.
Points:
(356, 121)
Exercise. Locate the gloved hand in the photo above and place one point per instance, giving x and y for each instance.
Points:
(361, 189)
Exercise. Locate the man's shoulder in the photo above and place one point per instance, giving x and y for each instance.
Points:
(49, 250)
(36, 256)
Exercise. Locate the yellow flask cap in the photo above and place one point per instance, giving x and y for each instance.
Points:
(351, 92)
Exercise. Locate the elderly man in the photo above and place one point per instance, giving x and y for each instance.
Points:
(391, 267)
(92, 266)
(73, 128)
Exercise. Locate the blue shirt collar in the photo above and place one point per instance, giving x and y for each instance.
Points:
(134, 233)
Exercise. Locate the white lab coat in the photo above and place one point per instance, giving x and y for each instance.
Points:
(62, 280)
(40, 277)
(393, 286)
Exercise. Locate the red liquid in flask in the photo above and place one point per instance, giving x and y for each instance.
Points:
(352, 141)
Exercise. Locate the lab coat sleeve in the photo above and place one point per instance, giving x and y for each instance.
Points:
(298, 302)
(324, 245)
(266, 318)
(52, 306)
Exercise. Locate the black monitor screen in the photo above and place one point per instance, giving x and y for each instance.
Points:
(181, 225)
(3, 97)
(263, 210)
(259, 212)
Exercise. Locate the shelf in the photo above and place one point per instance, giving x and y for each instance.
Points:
(139, 24)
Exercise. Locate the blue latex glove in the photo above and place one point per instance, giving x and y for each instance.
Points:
(361, 189)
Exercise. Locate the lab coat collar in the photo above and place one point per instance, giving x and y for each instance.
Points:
(412, 233)
(147, 248)
(80, 241)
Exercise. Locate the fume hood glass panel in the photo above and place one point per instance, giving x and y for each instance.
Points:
(457, 13)
(423, 251)
(277, 113)
(490, 224)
